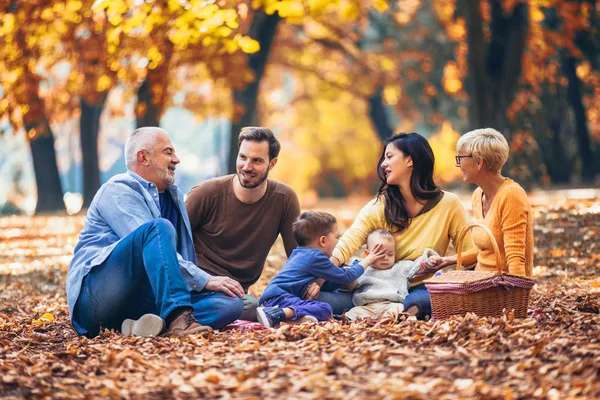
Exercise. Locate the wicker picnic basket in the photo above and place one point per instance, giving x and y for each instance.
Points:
(484, 293)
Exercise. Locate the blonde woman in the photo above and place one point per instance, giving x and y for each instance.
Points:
(499, 202)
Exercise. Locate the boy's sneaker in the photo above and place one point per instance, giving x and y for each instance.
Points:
(146, 325)
(270, 316)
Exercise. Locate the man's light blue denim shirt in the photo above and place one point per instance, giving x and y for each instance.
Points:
(123, 204)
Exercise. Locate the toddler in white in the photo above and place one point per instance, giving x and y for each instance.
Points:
(381, 290)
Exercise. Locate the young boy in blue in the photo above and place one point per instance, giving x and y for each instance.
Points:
(316, 234)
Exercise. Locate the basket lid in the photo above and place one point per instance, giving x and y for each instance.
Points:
(461, 276)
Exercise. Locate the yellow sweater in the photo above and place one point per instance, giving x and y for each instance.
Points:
(432, 230)
(511, 221)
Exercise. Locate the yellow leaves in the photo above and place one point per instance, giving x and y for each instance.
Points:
(387, 64)
(47, 317)
(537, 15)
(451, 80)
(103, 84)
(248, 45)
(47, 14)
(223, 31)
(318, 6)
(292, 11)
(381, 5)
(44, 319)
(173, 5)
(31, 41)
(391, 94)
(457, 30)
(115, 19)
(73, 5)
(349, 11)
(583, 70)
(154, 54)
(7, 24)
(443, 144)
(444, 10)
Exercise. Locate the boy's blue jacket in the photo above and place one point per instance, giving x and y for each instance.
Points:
(303, 267)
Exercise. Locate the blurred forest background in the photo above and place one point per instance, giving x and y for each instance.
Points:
(332, 78)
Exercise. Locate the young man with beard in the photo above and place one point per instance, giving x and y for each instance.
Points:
(236, 218)
(134, 267)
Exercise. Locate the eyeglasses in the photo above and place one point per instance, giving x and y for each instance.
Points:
(459, 158)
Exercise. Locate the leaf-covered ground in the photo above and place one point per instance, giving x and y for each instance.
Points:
(553, 354)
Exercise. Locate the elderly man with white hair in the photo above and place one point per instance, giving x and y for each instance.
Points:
(134, 267)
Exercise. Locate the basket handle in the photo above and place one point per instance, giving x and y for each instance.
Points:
(499, 260)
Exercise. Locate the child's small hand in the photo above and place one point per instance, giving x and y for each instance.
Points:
(376, 254)
(434, 260)
(432, 264)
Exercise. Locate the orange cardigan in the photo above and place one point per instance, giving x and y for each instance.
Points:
(511, 221)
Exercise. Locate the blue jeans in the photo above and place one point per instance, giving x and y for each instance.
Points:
(313, 308)
(141, 276)
(338, 300)
(419, 296)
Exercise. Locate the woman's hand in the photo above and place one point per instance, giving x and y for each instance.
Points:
(434, 264)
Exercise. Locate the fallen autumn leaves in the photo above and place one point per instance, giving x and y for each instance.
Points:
(553, 354)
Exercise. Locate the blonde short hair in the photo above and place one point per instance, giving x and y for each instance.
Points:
(487, 144)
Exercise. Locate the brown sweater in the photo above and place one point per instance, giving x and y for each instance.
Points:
(232, 238)
(511, 221)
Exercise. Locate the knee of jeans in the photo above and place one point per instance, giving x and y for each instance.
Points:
(228, 310)
(164, 227)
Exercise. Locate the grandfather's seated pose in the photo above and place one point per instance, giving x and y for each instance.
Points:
(236, 218)
(135, 267)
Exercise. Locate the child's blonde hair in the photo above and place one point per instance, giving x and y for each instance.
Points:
(379, 233)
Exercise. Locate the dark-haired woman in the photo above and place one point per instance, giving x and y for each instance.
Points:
(413, 208)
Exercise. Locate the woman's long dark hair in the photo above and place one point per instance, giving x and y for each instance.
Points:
(422, 185)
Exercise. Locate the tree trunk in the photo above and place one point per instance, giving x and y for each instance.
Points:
(262, 29)
(478, 84)
(494, 70)
(89, 127)
(47, 179)
(588, 170)
(152, 93)
(378, 115)
(557, 164)
(149, 112)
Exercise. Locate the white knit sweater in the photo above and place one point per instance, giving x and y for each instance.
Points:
(377, 285)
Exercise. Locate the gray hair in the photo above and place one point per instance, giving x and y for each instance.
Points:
(487, 144)
(140, 139)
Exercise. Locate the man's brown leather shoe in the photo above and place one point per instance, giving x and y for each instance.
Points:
(186, 324)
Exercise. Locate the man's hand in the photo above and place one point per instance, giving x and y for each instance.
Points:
(229, 286)
(313, 290)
